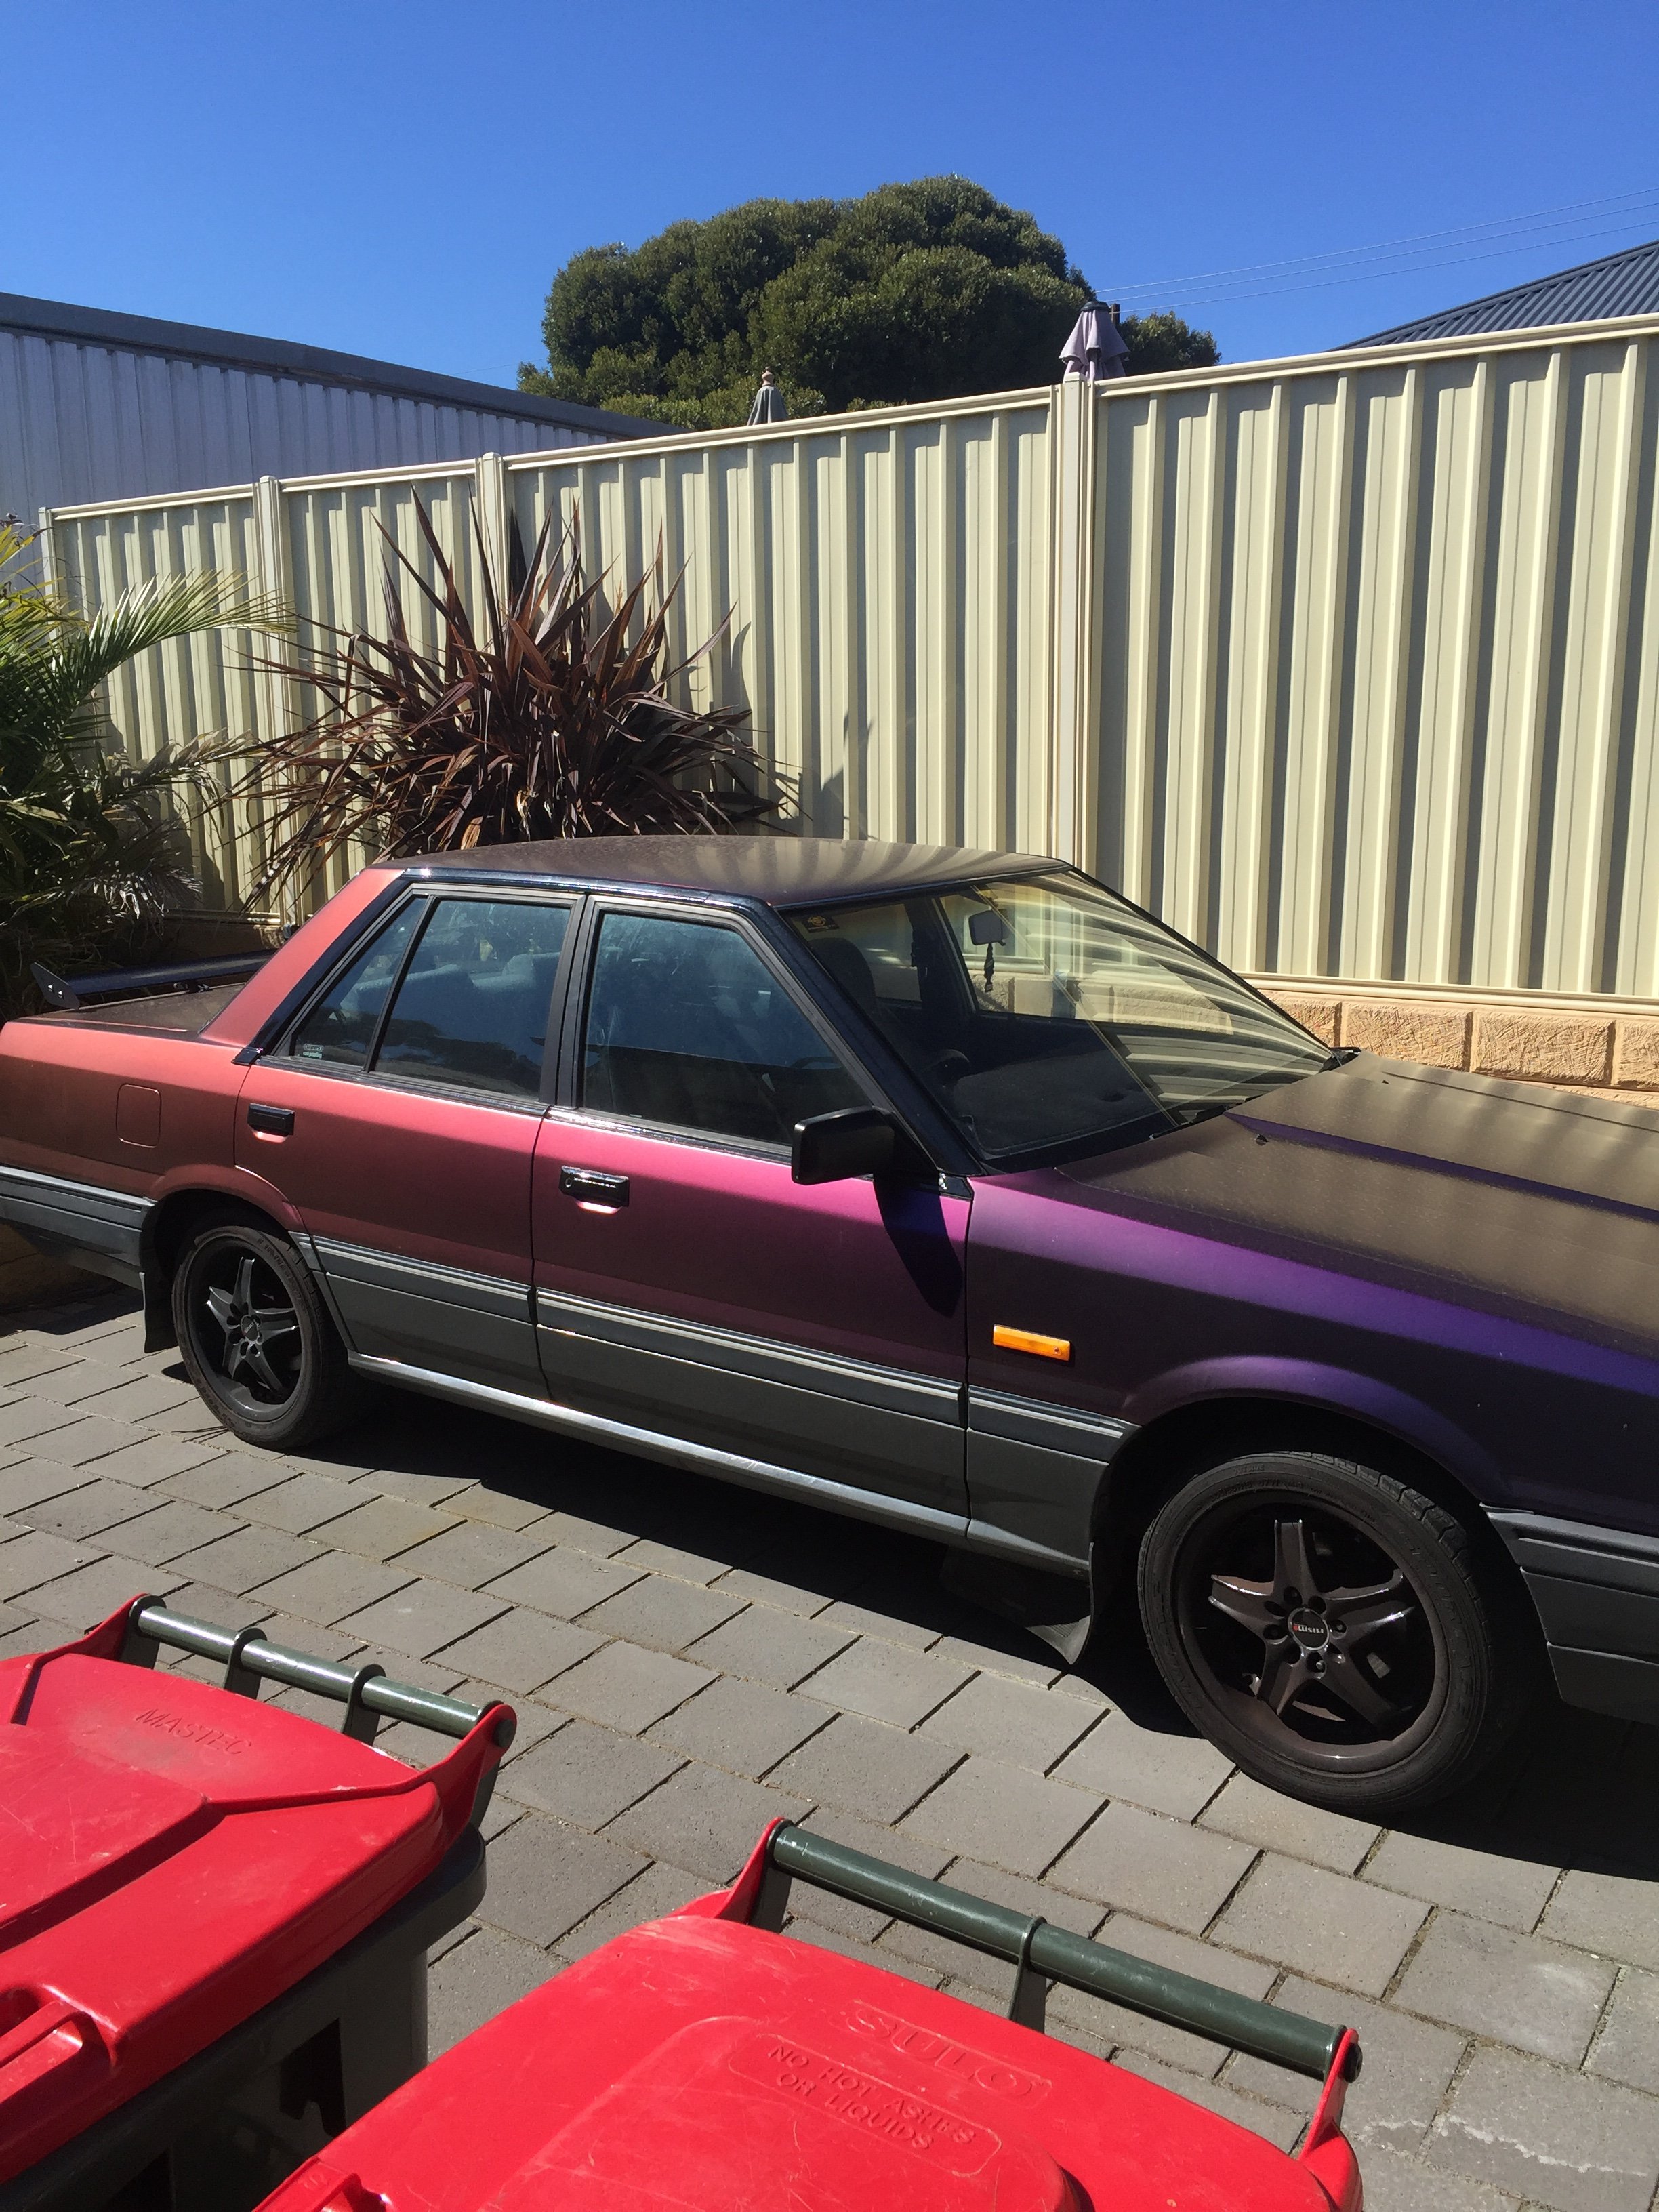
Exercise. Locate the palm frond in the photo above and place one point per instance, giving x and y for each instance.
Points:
(93, 851)
(50, 686)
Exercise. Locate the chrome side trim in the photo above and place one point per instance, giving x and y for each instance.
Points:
(1037, 1421)
(893, 1389)
(423, 1278)
(75, 1218)
(675, 1451)
(590, 1118)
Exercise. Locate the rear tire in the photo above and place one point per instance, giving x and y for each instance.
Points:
(1332, 1629)
(258, 1341)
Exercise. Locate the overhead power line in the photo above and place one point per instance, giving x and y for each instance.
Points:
(1567, 211)
(1491, 240)
(1365, 276)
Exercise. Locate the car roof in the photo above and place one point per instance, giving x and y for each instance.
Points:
(775, 871)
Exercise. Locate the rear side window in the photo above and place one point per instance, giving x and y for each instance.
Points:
(472, 1012)
(688, 1027)
(340, 1029)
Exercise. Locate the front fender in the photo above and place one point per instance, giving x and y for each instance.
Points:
(1330, 1389)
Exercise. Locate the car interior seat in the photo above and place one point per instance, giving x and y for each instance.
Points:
(849, 968)
(444, 1001)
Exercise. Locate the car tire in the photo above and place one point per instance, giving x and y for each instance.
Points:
(1332, 1629)
(258, 1340)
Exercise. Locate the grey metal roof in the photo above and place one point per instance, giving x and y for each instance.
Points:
(776, 871)
(1625, 283)
(315, 364)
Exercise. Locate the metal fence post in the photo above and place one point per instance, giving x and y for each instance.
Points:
(490, 506)
(48, 545)
(277, 707)
(1070, 616)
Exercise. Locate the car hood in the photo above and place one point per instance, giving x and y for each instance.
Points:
(1515, 1196)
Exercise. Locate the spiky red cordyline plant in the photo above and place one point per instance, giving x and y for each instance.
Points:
(545, 720)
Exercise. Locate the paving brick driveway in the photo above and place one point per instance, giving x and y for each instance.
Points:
(688, 1661)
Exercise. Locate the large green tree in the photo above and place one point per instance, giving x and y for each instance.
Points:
(920, 291)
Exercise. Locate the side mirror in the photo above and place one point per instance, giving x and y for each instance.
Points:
(858, 1140)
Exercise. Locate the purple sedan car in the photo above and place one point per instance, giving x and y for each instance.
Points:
(944, 1188)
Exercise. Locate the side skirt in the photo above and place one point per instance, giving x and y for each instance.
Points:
(85, 1223)
(950, 1528)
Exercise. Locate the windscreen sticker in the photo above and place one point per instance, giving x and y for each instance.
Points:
(861, 2101)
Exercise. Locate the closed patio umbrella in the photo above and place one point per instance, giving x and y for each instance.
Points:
(1095, 349)
(769, 405)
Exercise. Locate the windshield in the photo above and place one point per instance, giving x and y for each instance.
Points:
(1044, 1010)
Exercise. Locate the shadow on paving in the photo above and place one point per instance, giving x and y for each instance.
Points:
(1582, 1790)
(1578, 1790)
(802, 1547)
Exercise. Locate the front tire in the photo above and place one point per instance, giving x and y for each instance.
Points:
(1329, 1628)
(258, 1341)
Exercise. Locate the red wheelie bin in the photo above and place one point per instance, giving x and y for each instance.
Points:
(214, 1912)
(707, 2063)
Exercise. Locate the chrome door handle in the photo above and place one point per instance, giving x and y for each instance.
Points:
(594, 1187)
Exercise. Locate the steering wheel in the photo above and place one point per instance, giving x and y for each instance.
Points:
(948, 1065)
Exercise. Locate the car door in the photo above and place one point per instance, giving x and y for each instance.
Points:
(398, 1117)
(685, 1285)
(1040, 1433)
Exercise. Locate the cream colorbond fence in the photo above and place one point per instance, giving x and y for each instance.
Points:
(1372, 685)
(315, 543)
(1347, 665)
(890, 580)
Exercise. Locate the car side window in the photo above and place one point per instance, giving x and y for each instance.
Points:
(339, 1030)
(688, 1027)
(472, 1011)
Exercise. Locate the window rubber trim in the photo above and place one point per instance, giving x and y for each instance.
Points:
(281, 1044)
(431, 892)
(741, 922)
(384, 1014)
(268, 1037)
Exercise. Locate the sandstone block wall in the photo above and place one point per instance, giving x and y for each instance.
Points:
(1577, 1044)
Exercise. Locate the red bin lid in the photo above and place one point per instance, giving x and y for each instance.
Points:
(700, 2064)
(172, 1857)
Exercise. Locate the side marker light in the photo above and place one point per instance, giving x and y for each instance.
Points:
(1027, 1340)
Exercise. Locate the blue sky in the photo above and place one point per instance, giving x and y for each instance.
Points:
(402, 178)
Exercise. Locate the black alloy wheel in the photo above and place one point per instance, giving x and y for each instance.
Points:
(1328, 1627)
(1327, 1639)
(256, 1339)
(259, 1346)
